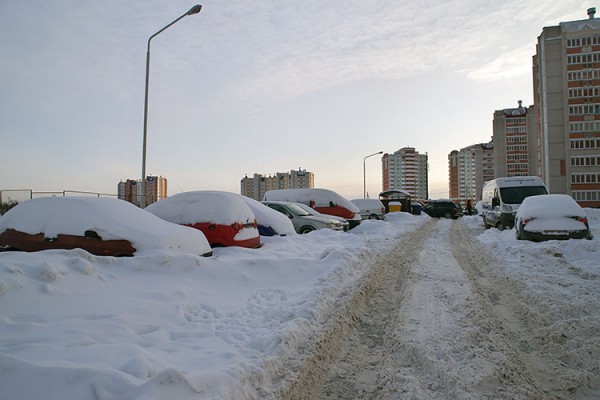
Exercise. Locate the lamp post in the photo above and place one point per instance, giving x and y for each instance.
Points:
(365, 173)
(194, 10)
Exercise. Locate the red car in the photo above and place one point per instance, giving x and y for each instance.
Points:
(99, 225)
(223, 217)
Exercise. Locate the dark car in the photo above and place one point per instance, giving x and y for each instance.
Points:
(443, 209)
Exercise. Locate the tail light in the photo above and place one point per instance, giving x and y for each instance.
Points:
(582, 219)
(526, 221)
(238, 226)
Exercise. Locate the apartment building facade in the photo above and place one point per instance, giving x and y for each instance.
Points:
(407, 170)
(515, 139)
(469, 168)
(566, 69)
(256, 186)
(155, 189)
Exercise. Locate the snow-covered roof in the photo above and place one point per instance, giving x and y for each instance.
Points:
(222, 208)
(549, 206)
(110, 218)
(321, 197)
(367, 203)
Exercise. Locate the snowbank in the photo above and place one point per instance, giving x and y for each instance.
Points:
(109, 218)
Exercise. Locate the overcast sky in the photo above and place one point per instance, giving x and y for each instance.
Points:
(256, 87)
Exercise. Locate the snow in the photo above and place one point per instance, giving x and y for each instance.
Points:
(202, 206)
(368, 204)
(551, 213)
(176, 325)
(549, 206)
(268, 217)
(320, 197)
(109, 218)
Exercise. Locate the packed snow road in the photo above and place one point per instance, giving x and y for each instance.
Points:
(440, 317)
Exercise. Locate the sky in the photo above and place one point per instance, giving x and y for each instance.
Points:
(256, 87)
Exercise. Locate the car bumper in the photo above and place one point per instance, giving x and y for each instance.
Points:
(554, 235)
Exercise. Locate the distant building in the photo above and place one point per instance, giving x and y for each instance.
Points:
(514, 141)
(407, 170)
(566, 86)
(131, 190)
(256, 186)
(469, 168)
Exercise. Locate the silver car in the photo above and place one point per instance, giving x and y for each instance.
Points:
(312, 211)
(303, 222)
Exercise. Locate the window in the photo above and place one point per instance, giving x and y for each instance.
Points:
(585, 161)
(580, 195)
(591, 126)
(585, 143)
(585, 178)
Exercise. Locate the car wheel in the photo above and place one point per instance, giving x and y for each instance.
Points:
(518, 233)
(448, 215)
(499, 226)
(373, 216)
(306, 229)
(485, 224)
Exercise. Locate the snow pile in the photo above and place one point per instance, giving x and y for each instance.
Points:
(171, 325)
(110, 218)
(180, 326)
(202, 206)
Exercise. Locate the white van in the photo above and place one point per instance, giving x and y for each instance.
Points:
(501, 198)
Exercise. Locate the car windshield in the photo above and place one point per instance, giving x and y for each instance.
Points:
(516, 195)
(296, 210)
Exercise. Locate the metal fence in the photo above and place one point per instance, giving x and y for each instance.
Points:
(19, 195)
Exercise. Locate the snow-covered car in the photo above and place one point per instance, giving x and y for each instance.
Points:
(303, 221)
(324, 201)
(100, 225)
(551, 216)
(370, 208)
(312, 211)
(269, 221)
(223, 217)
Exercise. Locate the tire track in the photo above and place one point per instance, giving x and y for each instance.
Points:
(433, 319)
(332, 369)
(517, 321)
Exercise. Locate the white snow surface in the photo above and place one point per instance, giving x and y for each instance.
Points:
(266, 216)
(218, 207)
(551, 212)
(321, 197)
(549, 206)
(180, 326)
(368, 204)
(111, 219)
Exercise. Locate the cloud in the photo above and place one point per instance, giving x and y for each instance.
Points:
(516, 63)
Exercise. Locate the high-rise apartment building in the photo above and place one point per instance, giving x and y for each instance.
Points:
(407, 170)
(131, 190)
(256, 186)
(566, 84)
(469, 168)
(515, 141)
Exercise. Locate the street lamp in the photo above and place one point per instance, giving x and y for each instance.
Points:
(194, 10)
(365, 173)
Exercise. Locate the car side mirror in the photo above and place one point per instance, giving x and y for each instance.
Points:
(89, 234)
